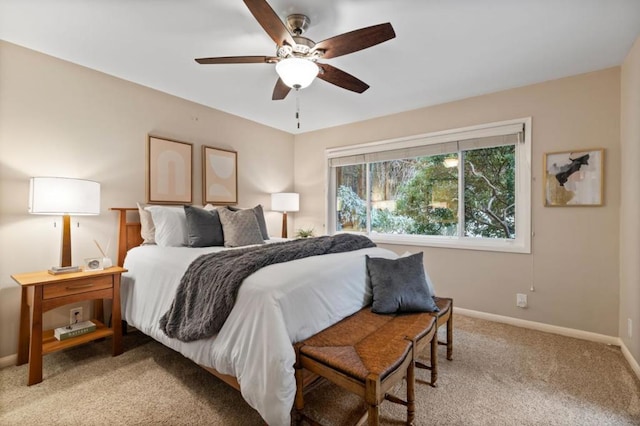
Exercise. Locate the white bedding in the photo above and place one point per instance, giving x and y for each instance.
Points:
(276, 306)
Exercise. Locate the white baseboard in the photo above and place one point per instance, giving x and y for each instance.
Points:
(8, 360)
(569, 332)
(630, 359)
(563, 331)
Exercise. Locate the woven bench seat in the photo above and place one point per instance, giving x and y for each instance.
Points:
(367, 354)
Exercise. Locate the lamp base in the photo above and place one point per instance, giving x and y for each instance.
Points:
(284, 225)
(65, 250)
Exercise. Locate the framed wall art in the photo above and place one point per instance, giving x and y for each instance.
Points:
(169, 171)
(574, 178)
(219, 176)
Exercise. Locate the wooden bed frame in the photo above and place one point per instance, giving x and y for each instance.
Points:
(128, 238)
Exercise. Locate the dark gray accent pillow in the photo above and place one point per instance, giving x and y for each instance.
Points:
(203, 227)
(240, 227)
(259, 216)
(399, 285)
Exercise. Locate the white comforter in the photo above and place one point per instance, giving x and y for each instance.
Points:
(276, 306)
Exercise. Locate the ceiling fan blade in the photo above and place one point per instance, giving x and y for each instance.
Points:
(355, 40)
(238, 60)
(336, 76)
(280, 91)
(270, 21)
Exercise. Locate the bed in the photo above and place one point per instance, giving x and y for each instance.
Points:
(275, 307)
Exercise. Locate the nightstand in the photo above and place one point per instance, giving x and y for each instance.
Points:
(52, 291)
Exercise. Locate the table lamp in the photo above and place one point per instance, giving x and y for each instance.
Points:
(66, 197)
(285, 202)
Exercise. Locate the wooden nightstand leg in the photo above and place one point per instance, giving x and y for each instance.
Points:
(35, 346)
(116, 317)
(25, 328)
(98, 310)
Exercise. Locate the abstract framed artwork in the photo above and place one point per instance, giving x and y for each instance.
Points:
(219, 176)
(574, 178)
(169, 165)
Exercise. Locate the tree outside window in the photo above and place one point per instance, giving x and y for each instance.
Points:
(422, 196)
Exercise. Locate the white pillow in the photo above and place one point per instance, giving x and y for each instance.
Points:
(147, 229)
(171, 225)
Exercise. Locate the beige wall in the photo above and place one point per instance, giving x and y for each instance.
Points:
(60, 119)
(630, 201)
(574, 264)
(57, 118)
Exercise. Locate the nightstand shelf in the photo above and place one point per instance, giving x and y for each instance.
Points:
(43, 292)
(51, 344)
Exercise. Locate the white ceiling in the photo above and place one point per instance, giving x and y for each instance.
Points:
(444, 49)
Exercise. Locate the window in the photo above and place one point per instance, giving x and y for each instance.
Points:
(465, 188)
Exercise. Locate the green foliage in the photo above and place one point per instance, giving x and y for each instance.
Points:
(387, 222)
(352, 211)
(418, 198)
(304, 233)
(489, 192)
(425, 195)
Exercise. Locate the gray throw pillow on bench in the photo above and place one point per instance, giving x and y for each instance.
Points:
(399, 285)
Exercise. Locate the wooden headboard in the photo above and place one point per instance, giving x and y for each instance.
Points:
(128, 232)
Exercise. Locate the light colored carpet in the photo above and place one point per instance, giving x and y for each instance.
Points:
(500, 375)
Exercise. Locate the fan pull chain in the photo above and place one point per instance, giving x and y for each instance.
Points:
(298, 107)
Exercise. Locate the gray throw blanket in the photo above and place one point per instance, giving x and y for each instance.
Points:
(208, 289)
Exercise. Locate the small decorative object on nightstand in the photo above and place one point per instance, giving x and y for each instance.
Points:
(304, 233)
(93, 264)
(52, 291)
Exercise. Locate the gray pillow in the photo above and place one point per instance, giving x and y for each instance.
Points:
(257, 210)
(240, 228)
(399, 285)
(203, 227)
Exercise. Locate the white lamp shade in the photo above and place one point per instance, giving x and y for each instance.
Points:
(285, 202)
(55, 195)
(296, 72)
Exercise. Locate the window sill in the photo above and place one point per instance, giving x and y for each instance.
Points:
(499, 245)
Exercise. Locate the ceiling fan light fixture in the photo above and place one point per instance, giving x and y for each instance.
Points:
(297, 73)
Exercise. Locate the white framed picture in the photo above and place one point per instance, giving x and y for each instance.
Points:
(574, 178)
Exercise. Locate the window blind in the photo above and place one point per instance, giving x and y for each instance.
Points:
(427, 146)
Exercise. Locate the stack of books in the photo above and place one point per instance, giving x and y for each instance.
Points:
(56, 270)
(74, 330)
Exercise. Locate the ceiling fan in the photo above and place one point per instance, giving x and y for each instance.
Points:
(297, 57)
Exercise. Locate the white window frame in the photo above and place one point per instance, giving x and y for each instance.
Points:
(522, 241)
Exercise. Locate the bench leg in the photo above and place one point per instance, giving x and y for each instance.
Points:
(373, 398)
(450, 335)
(434, 359)
(411, 393)
(373, 412)
(299, 400)
(449, 340)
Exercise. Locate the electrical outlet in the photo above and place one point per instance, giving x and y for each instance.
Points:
(521, 300)
(629, 328)
(75, 315)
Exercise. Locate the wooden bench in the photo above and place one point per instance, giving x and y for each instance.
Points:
(367, 354)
